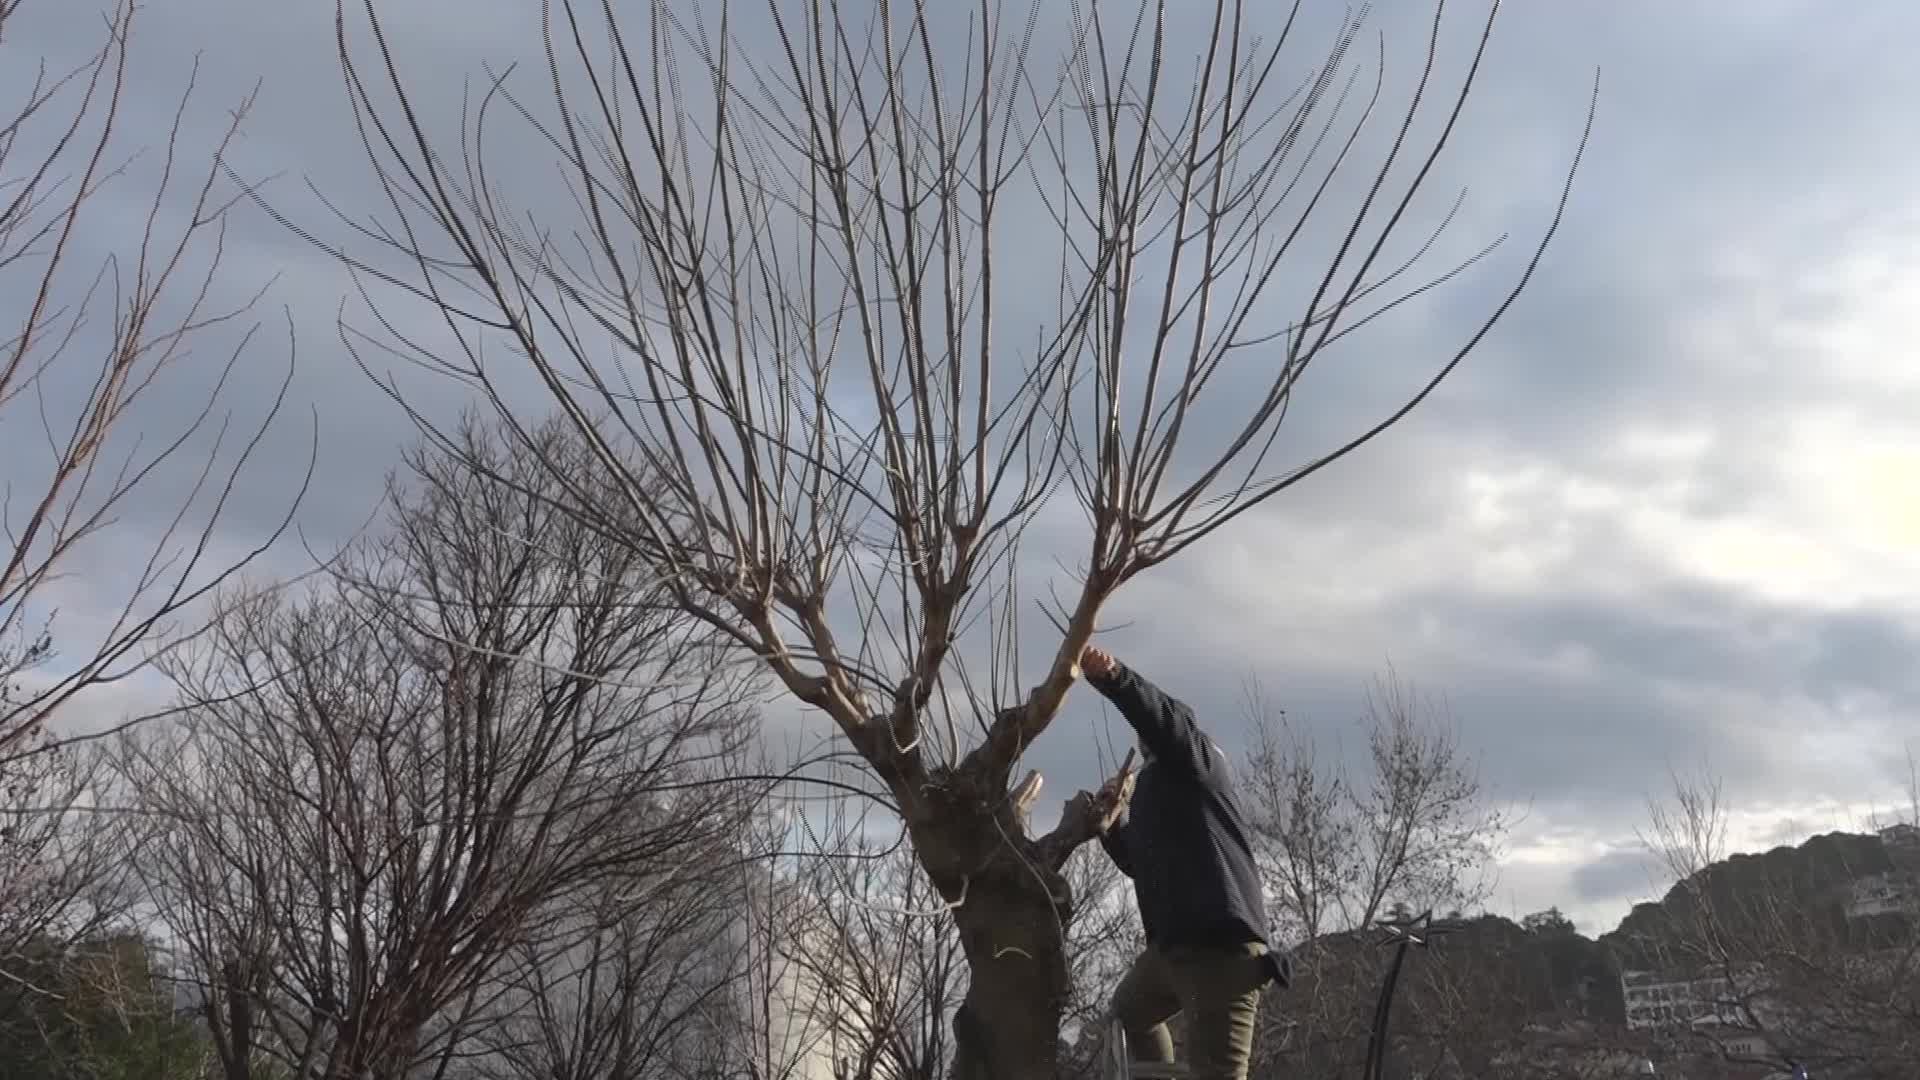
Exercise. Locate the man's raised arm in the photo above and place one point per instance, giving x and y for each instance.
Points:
(1165, 724)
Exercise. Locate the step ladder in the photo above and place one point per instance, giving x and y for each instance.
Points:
(1120, 1067)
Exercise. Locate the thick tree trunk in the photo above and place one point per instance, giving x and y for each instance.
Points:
(1012, 908)
(1009, 1026)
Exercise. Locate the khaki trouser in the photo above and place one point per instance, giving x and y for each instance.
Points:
(1219, 991)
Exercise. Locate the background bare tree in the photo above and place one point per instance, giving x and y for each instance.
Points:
(771, 1027)
(794, 304)
(1412, 830)
(382, 790)
(626, 983)
(63, 867)
(1774, 946)
(879, 942)
(87, 338)
(1414, 827)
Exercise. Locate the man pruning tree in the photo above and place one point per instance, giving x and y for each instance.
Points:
(1181, 836)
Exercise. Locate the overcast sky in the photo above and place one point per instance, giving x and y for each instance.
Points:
(1667, 515)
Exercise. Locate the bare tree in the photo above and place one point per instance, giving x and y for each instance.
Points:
(1770, 945)
(844, 300)
(382, 790)
(1413, 831)
(622, 986)
(1415, 827)
(774, 1026)
(1103, 941)
(879, 945)
(62, 867)
(87, 341)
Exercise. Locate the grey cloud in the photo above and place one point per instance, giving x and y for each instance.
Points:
(1687, 632)
(1619, 875)
(1865, 651)
(1618, 729)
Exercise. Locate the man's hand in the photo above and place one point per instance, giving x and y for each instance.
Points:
(1088, 815)
(1101, 809)
(1098, 663)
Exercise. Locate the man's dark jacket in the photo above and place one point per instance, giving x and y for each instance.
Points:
(1184, 839)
